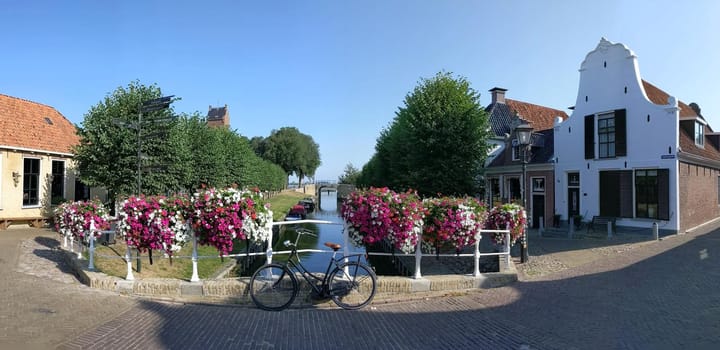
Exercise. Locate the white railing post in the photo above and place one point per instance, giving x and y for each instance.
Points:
(72, 244)
(478, 236)
(346, 240)
(507, 246)
(418, 256)
(346, 246)
(269, 250)
(65, 236)
(128, 259)
(80, 247)
(194, 277)
(91, 251)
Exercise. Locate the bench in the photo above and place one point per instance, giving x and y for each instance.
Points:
(601, 221)
(37, 222)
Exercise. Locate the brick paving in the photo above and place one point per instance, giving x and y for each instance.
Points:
(576, 294)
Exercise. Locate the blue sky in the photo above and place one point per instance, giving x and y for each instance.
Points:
(339, 70)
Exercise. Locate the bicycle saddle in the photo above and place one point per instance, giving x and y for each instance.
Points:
(333, 246)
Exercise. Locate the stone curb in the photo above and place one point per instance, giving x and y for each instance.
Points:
(233, 291)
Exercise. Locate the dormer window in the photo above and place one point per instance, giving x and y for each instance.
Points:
(699, 134)
(515, 150)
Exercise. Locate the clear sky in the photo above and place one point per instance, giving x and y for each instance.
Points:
(339, 70)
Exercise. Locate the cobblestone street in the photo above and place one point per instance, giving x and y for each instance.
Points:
(626, 295)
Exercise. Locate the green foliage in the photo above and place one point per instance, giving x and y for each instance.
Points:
(295, 152)
(350, 175)
(107, 154)
(435, 144)
(179, 153)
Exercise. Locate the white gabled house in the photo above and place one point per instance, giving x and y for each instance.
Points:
(633, 152)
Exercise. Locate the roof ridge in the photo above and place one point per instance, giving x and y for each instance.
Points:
(535, 104)
(40, 104)
(26, 100)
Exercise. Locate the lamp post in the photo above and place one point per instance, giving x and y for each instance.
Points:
(524, 135)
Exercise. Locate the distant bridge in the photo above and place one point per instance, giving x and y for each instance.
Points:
(343, 190)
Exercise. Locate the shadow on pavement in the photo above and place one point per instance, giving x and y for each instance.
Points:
(662, 296)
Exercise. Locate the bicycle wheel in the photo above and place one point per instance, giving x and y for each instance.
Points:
(273, 287)
(352, 285)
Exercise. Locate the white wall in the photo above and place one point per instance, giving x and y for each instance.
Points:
(604, 75)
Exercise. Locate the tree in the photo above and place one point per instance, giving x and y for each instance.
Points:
(436, 142)
(295, 152)
(177, 153)
(107, 155)
(350, 175)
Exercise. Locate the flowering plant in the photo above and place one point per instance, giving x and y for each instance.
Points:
(154, 223)
(220, 216)
(454, 221)
(507, 216)
(379, 213)
(73, 219)
(258, 218)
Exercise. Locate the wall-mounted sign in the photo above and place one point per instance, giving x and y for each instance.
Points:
(667, 156)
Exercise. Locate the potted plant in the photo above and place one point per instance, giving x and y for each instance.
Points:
(577, 220)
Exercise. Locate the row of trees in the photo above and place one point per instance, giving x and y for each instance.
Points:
(435, 144)
(176, 153)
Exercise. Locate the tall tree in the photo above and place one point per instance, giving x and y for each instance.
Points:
(350, 175)
(293, 151)
(107, 155)
(437, 141)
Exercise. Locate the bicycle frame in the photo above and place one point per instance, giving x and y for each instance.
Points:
(294, 264)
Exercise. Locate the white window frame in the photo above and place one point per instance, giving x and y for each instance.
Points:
(515, 150)
(699, 134)
(64, 177)
(22, 182)
(540, 189)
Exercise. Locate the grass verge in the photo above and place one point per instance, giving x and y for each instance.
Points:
(110, 259)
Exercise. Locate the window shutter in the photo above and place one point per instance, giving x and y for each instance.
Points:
(663, 194)
(609, 196)
(590, 136)
(620, 133)
(626, 193)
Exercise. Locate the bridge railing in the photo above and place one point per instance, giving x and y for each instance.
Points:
(268, 253)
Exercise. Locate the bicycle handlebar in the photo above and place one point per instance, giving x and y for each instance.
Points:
(304, 231)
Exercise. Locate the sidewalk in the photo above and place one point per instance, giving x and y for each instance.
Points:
(554, 251)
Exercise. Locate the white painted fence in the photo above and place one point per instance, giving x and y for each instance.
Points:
(476, 255)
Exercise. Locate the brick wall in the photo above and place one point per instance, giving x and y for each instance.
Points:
(698, 195)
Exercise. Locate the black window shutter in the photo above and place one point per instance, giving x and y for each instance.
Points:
(626, 193)
(590, 136)
(663, 194)
(609, 195)
(620, 133)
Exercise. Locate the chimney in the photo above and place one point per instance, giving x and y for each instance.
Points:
(498, 95)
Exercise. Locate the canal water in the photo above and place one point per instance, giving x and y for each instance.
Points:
(328, 210)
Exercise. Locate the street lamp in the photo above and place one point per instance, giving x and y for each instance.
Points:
(524, 135)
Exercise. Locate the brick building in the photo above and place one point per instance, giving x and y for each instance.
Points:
(504, 180)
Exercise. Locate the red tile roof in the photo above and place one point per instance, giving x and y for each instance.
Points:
(32, 125)
(540, 117)
(660, 97)
(687, 141)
